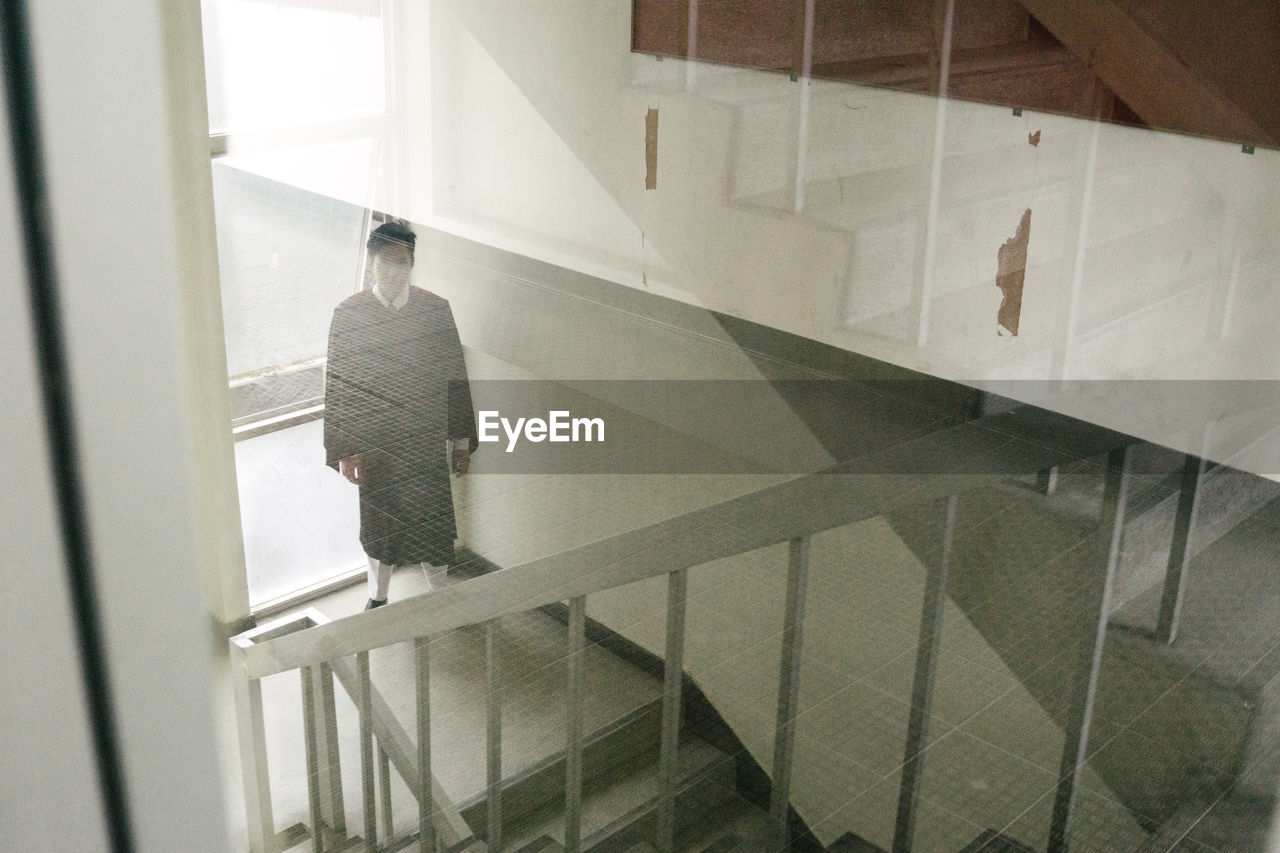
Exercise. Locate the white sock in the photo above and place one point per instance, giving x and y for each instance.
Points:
(379, 579)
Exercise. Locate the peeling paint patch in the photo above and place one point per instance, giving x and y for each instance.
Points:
(1034, 138)
(1011, 269)
(651, 149)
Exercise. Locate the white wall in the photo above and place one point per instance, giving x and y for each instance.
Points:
(126, 160)
(46, 751)
(1151, 255)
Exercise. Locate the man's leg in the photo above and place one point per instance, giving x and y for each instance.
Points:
(379, 583)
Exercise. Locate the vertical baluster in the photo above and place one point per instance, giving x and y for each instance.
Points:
(251, 728)
(422, 683)
(332, 807)
(927, 223)
(366, 753)
(307, 676)
(788, 688)
(1080, 715)
(384, 789)
(1175, 579)
(493, 719)
(672, 682)
(803, 65)
(931, 620)
(573, 721)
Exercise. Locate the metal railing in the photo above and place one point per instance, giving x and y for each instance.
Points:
(963, 457)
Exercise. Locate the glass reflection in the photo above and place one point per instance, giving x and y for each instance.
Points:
(804, 228)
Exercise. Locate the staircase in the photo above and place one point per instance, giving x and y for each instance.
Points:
(1018, 569)
(535, 743)
(620, 789)
(620, 756)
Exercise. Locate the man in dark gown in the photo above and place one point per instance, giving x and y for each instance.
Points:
(395, 390)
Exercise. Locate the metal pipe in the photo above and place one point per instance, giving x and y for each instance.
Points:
(332, 805)
(307, 675)
(251, 729)
(931, 620)
(1047, 480)
(788, 688)
(573, 735)
(384, 790)
(1175, 577)
(1111, 525)
(422, 685)
(493, 736)
(672, 682)
(366, 753)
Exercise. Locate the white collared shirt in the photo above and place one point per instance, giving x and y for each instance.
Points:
(398, 303)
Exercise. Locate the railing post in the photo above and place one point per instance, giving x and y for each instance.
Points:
(384, 791)
(931, 621)
(672, 682)
(1175, 578)
(1047, 480)
(1080, 715)
(450, 827)
(252, 732)
(789, 688)
(573, 721)
(493, 738)
(309, 735)
(803, 65)
(332, 808)
(366, 753)
(422, 685)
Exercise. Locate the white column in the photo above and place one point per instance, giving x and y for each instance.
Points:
(120, 98)
(42, 698)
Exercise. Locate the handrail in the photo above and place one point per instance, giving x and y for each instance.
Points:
(390, 737)
(966, 456)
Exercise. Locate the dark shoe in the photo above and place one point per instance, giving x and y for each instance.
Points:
(374, 602)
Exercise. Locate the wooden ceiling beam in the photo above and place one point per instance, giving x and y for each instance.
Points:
(1145, 73)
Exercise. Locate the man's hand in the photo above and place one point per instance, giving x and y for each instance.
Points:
(461, 460)
(350, 468)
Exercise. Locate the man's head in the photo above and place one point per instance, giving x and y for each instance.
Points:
(391, 257)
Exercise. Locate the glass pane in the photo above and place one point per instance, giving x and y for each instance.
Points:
(273, 65)
(300, 519)
(905, 248)
(286, 258)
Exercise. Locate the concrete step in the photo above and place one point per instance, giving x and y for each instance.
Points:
(726, 844)
(641, 848)
(624, 745)
(991, 841)
(544, 844)
(619, 809)
(850, 843)
(856, 132)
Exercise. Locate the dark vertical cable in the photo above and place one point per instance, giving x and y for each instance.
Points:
(37, 238)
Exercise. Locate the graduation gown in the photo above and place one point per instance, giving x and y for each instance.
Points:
(395, 389)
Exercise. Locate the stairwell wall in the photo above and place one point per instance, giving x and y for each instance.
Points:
(863, 218)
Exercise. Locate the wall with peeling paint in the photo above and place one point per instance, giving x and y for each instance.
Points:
(1152, 255)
